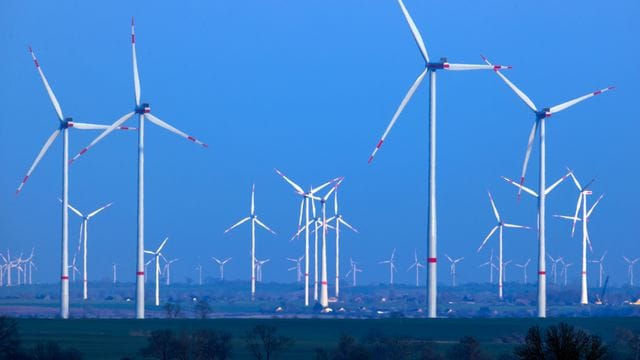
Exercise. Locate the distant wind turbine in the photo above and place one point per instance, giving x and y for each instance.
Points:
(491, 266)
(600, 263)
(167, 270)
(392, 266)
(353, 271)
(554, 267)
(454, 263)
(630, 264)
(416, 264)
(221, 264)
(156, 256)
(297, 267)
(524, 268)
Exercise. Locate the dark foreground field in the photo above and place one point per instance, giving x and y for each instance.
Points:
(116, 339)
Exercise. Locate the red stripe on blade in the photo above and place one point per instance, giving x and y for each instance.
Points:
(191, 138)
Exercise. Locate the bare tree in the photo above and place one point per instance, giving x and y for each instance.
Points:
(264, 343)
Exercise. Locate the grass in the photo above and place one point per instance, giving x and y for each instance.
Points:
(117, 338)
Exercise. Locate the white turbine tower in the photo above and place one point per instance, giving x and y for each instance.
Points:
(491, 266)
(600, 263)
(504, 270)
(499, 226)
(454, 263)
(254, 220)
(539, 126)
(63, 125)
(84, 225)
(554, 267)
(339, 220)
(115, 273)
(143, 110)
(524, 268)
(324, 285)
(582, 203)
(304, 206)
(297, 267)
(167, 270)
(259, 264)
(630, 264)
(30, 265)
(353, 271)
(564, 270)
(431, 68)
(221, 264)
(156, 256)
(392, 266)
(199, 268)
(416, 264)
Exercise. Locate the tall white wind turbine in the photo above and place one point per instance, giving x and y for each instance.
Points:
(64, 123)
(586, 213)
(324, 285)
(143, 110)
(254, 220)
(454, 264)
(416, 264)
(539, 126)
(524, 268)
(630, 264)
(339, 218)
(304, 206)
(221, 264)
(84, 225)
(431, 68)
(353, 271)
(297, 267)
(499, 226)
(156, 256)
(492, 266)
(392, 265)
(600, 263)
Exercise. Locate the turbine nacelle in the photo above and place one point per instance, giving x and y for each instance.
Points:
(544, 113)
(143, 109)
(443, 64)
(66, 123)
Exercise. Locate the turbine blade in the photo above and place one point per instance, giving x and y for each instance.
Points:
(414, 31)
(85, 126)
(72, 209)
(164, 242)
(343, 222)
(594, 206)
(463, 67)
(253, 202)
(527, 154)
(335, 203)
(526, 189)
(264, 226)
(567, 217)
(136, 76)
(404, 102)
(493, 205)
(44, 149)
(575, 181)
(516, 226)
(488, 236)
(570, 103)
(573, 227)
(99, 210)
(113, 126)
(558, 182)
(166, 126)
(52, 96)
(515, 89)
(237, 224)
(315, 190)
(294, 185)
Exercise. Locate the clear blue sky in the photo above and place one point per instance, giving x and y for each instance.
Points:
(309, 87)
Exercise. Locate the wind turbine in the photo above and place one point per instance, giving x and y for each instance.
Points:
(582, 202)
(324, 285)
(143, 110)
(392, 266)
(416, 264)
(254, 220)
(630, 264)
(491, 266)
(145, 269)
(499, 226)
(554, 265)
(431, 68)
(199, 268)
(600, 263)
(454, 263)
(339, 220)
(221, 263)
(156, 256)
(167, 270)
(115, 273)
(353, 271)
(73, 267)
(84, 225)
(304, 206)
(539, 126)
(259, 264)
(30, 264)
(297, 267)
(524, 268)
(504, 269)
(64, 123)
(563, 271)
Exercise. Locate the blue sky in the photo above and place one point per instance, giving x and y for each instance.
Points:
(308, 87)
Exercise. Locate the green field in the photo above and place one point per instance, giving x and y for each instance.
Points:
(117, 338)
